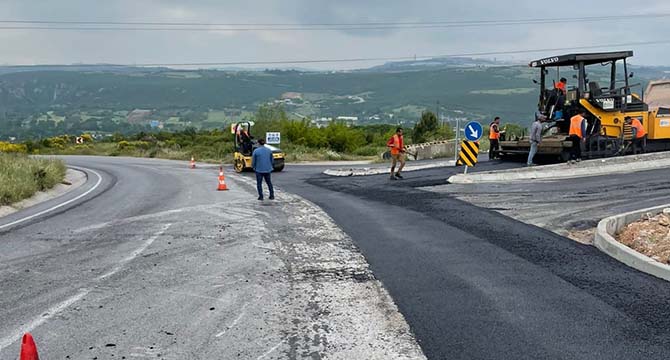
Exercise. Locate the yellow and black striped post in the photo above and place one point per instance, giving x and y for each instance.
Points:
(468, 154)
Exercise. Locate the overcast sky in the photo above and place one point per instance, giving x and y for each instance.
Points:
(127, 47)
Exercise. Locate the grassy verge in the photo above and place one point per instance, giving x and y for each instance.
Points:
(22, 176)
(212, 154)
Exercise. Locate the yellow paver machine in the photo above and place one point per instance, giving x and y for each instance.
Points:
(599, 83)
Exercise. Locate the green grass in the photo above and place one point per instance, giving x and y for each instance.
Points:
(22, 176)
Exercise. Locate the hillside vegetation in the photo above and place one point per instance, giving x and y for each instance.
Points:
(21, 176)
(37, 104)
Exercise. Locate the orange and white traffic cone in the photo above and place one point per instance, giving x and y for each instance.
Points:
(222, 181)
(28, 348)
(192, 162)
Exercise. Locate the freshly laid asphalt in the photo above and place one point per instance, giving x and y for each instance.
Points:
(474, 284)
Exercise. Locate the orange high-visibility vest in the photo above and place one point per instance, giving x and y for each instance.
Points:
(396, 144)
(493, 134)
(640, 129)
(576, 126)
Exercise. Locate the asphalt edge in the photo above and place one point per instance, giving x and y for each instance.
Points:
(381, 288)
(604, 240)
(552, 172)
(385, 170)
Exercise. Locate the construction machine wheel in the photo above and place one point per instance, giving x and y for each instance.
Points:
(279, 165)
(565, 155)
(239, 165)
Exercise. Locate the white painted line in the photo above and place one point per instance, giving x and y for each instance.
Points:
(60, 307)
(234, 323)
(53, 311)
(134, 254)
(59, 205)
(271, 350)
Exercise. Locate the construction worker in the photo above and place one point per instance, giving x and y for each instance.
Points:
(245, 140)
(562, 85)
(535, 137)
(397, 153)
(577, 135)
(639, 134)
(494, 138)
(262, 162)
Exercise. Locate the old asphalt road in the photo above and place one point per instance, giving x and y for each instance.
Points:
(147, 260)
(475, 284)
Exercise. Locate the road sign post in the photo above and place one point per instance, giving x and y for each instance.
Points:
(473, 131)
(468, 154)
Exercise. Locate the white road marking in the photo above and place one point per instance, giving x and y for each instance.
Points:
(53, 311)
(59, 205)
(60, 307)
(232, 325)
(271, 350)
(134, 254)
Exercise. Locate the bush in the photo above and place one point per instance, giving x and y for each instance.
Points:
(6, 147)
(22, 176)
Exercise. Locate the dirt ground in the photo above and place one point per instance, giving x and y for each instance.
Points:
(649, 236)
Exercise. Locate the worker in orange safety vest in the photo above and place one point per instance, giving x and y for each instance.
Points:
(639, 134)
(577, 135)
(494, 138)
(397, 147)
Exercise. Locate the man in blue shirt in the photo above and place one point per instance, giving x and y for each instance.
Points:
(262, 162)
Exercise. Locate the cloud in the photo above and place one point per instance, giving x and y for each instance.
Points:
(40, 46)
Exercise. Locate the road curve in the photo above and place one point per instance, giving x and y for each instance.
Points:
(147, 259)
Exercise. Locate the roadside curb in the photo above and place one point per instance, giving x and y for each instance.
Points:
(619, 165)
(385, 170)
(74, 177)
(605, 242)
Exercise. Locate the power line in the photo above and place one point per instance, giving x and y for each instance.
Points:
(371, 59)
(395, 23)
(199, 26)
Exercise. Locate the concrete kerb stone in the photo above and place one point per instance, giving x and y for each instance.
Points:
(385, 170)
(605, 241)
(618, 165)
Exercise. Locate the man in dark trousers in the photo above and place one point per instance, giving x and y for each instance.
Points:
(262, 162)
(494, 138)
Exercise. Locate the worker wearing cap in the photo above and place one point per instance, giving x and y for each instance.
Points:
(577, 134)
(397, 153)
(639, 134)
(494, 138)
(562, 85)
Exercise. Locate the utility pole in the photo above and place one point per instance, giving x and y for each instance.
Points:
(437, 111)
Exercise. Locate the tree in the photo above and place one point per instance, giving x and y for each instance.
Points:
(425, 127)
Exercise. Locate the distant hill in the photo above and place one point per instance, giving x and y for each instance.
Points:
(414, 65)
(38, 101)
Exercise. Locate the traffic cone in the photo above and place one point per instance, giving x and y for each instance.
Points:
(222, 180)
(28, 348)
(192, 162)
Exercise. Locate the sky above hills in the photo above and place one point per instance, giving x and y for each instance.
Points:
(37, 43)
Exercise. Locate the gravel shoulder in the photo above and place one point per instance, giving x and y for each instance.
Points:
(649, 236)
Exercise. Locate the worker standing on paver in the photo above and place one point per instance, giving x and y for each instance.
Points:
(577, 132)
(262, 162)
(562, 85)
(397, 153)
(535, 137)
(494, 138)
(639, 134)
